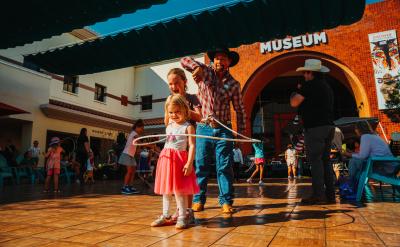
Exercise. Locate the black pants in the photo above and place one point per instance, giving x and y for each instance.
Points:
(318, 145)
(236, 167)
(82, 158)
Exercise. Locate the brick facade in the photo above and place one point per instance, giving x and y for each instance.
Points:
(347, 45)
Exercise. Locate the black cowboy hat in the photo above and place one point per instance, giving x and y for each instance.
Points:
(234, 56)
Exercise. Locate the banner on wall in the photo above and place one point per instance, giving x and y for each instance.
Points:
(386, 64)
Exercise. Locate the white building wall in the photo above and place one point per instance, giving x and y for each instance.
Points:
(28, 90)
(118, 82)
(152, 80)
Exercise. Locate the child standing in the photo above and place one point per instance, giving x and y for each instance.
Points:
(127, 158)
(259, 162)
(290, 157)
(53, 165)
(175, 175)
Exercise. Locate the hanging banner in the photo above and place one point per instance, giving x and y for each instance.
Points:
(386, 64)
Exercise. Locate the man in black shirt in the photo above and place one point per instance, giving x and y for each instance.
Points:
(315, 101)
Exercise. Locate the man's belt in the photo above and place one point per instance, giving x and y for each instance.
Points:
(214, 124)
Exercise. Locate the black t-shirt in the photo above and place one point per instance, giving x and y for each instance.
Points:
(317, 107)
(81, 144)
(193, 103)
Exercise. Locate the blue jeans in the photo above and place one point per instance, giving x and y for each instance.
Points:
(216, 152)
(355, 167)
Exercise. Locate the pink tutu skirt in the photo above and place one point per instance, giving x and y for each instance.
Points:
(258, 160)
(169, 174)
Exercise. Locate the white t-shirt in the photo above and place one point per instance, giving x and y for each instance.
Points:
(35, 152)
(290, 155)
(89, 166)
(129, 148)
(237, 156)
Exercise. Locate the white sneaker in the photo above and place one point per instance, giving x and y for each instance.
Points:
(295, 177)
(78, 181)
(249, 181)
(289, 177)
(260, 183)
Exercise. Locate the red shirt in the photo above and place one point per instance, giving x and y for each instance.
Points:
(215, 95)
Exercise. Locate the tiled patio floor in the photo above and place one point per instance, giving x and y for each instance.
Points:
(267, 216)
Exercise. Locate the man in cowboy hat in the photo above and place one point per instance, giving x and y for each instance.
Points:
(315, 101)
(217, 88)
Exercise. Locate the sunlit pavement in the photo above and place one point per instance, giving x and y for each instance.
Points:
(271, 215)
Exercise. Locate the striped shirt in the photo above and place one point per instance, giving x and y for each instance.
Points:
(215, 96)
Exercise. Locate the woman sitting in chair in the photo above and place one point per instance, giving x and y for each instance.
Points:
(371, 145)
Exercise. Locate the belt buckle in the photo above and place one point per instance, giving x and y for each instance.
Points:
(213, 124)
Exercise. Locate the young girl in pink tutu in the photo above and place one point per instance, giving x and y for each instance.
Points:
(175, 175)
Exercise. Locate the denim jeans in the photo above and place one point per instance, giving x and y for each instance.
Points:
(355, 167)
(216, 152)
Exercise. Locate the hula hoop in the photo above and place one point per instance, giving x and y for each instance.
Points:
(245, 138)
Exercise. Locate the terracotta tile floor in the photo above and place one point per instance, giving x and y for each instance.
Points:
(271, 215)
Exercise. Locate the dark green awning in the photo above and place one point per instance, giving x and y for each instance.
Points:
(242, 22)
(25, 21)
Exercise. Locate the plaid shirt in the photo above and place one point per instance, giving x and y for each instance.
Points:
(215, 97)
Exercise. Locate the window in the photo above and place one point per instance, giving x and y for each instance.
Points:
(147, 102)
(100, 93)
(70, 83)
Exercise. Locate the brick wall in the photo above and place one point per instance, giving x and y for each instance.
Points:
(347, 44)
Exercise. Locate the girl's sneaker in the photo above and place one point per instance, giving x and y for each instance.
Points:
(249, 181)
(133, 190)
(126, 191)
(181, 224)
(57, 191)
(162, 221)
(260, 183)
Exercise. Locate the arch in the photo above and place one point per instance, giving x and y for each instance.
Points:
(289, 62)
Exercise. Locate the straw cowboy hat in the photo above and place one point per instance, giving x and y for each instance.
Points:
(313, 65)
(233, 56)
(54, 140)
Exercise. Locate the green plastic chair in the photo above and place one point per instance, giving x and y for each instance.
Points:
(19, 159)
(37, 173)
(5, 171)
(367, 174)
(67, 174)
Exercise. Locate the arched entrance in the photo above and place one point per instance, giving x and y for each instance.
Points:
(277, 71)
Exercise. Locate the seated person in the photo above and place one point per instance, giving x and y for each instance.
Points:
(144, 162)
(112, 158)
(371, 145)
(28, 161)
(68, 160)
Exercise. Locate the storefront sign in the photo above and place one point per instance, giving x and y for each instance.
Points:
(386, 64)
(103, 133)
(294, 42)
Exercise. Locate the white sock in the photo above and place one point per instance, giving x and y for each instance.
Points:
(181, 203)
(166, 205)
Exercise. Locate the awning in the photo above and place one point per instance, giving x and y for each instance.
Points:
(9, 110)
(25, 21)
(240, 22)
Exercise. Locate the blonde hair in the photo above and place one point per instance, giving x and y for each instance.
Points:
(180, 101)
(179, 72)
